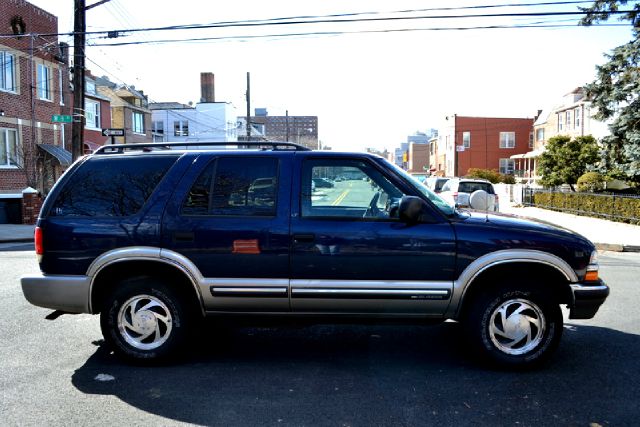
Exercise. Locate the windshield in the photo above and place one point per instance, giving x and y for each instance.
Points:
(445, 207)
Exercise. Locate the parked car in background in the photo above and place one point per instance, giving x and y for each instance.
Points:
(435, 183)
(458, 191)
(322, 183)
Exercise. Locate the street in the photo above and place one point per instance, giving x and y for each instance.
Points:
(57, 372)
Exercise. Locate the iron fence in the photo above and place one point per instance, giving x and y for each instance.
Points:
(609, 204)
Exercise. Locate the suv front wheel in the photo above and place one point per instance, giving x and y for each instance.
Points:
(144, 319)
(514, 328)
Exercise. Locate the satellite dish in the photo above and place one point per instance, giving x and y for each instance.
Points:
(479, 200)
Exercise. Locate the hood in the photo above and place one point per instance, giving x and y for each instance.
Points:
(479, 233)
(520, 223)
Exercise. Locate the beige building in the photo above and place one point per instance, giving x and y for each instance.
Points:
(573, 117)
(129, 111)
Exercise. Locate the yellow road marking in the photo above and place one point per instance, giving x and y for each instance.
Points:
(340, 198)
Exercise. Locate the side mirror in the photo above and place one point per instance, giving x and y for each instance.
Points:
(412, 210)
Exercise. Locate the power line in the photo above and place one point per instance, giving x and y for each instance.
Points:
(344, 18)
(337, 33)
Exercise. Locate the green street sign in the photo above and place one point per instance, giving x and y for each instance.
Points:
(60, 118)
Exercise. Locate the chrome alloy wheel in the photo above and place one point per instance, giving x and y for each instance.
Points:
(516, 326)
(145, 322)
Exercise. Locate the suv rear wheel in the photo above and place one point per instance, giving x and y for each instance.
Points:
(514, 328)
(144, 319)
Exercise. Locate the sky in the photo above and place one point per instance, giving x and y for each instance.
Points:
(370, 88)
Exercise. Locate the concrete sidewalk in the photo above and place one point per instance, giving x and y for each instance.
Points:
(607, 235)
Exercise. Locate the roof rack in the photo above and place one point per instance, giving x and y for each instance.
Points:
(152, 146)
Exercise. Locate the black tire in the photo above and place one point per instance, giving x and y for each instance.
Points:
(516, 329)
(145, 320)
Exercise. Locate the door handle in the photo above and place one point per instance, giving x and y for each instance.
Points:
(183, 236)
(304, 238)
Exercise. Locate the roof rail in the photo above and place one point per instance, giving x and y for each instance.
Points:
(151, 146)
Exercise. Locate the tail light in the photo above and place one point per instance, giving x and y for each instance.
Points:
(455, 196)
(39, 244)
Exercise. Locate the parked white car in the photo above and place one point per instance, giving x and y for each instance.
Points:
(459, 191)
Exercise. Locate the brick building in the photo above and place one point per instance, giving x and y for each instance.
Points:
(34, 86)
(302, 130)
(479, 142)
(97, 109)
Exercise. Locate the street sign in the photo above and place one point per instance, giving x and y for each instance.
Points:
(60, 118)
(112, 132)
(459, 147)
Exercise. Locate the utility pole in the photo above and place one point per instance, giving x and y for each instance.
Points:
(77, 127)
(287, 121)
(79, 29)
(248, 106)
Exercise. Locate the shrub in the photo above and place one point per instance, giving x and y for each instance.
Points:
(507, 179)
(489, 174)
(614, 208)
(591, 181)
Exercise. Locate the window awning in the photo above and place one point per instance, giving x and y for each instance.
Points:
(530, 155)
(62, 155)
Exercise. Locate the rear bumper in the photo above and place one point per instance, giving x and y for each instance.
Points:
(65, 293)
(587, 299)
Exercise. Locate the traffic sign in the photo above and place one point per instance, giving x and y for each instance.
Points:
(60, 118)
(112, 132)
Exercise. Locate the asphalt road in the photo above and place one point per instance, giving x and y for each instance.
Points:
(59, 373)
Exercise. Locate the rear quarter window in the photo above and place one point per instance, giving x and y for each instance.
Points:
(111, 186)
(470, 187)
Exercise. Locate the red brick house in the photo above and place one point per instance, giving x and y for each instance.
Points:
(480, 142)
(34, 87)
(97, 109)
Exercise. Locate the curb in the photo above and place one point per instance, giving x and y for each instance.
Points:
(614, 247)
(23, 240)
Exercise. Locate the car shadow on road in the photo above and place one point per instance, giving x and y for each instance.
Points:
(372, 375)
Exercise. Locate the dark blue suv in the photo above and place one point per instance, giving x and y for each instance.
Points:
(155, 237)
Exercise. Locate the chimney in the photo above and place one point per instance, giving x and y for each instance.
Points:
(207, 88)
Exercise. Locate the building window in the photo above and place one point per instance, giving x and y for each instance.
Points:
(90, 87)
(9, 155)
(466, 139)
(7, 71)
(576, 116)
(568, 119)
(137, 122)
(181, 128)
(158, 131)
(530, 139)
(44, 82)
(507, 166)
(560, 122)
(540, 134)
(92, 114)
(507, 139)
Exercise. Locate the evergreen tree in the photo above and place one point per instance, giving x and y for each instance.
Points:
(616, 92)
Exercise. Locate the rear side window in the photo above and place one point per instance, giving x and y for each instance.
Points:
(470, 187)
(236, 186)
(111, 186)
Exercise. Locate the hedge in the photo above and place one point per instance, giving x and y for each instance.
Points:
(614, 208)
